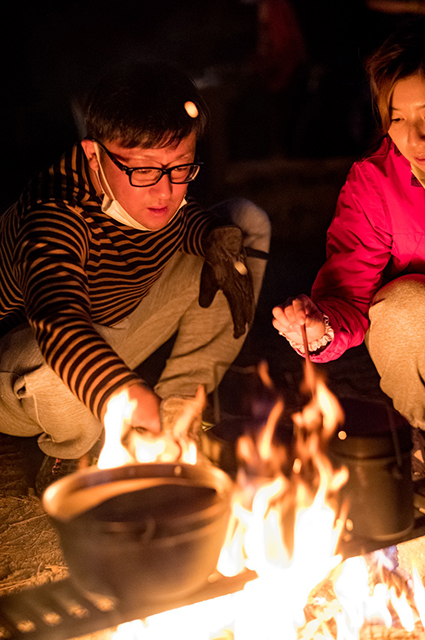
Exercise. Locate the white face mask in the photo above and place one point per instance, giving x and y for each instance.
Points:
(113, 208)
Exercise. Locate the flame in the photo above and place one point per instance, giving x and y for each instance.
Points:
(209, 620)
(116, 422)
(124, 444)
(363, 599)
(419, 592)
(285, 526)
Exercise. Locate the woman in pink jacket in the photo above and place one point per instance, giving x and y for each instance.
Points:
(372, 285)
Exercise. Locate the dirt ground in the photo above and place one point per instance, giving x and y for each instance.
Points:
(29, 549)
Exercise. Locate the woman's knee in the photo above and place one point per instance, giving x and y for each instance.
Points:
(401, 301)
(397, 330)
(402, 290)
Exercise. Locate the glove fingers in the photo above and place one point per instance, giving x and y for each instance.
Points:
(239, 324)
(240, 298)
(208, 286)
(223, 251)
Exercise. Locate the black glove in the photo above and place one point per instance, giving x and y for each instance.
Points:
(225, 268)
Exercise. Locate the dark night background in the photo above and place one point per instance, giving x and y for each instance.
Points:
(289, 101)
(54, 50)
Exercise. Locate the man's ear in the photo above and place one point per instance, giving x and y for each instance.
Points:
(90, 151)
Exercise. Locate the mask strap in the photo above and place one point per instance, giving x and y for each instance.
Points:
(101, 174)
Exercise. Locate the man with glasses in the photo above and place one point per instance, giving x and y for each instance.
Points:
(105, 257)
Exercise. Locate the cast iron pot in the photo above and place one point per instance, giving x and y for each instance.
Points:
(156, 538)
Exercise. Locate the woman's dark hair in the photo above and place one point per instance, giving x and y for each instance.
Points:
(145, 104)
(400, 56)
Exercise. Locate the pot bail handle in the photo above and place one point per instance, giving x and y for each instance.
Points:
(395, 439)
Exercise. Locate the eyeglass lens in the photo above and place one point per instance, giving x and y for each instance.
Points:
(179, 175)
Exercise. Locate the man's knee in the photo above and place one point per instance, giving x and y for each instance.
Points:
(253, 221)
(19, 351)
(13, 418)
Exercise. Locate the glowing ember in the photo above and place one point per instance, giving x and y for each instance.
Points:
(357, 600)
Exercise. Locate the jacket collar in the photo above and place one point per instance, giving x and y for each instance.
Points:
(415, 182)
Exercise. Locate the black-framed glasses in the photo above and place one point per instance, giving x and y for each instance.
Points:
(148, 176)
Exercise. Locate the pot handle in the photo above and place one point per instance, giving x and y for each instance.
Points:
(396, 442)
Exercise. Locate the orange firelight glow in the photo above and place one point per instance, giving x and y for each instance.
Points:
(173, 445)
(284, 526)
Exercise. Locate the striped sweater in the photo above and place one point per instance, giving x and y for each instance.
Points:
(67, 265)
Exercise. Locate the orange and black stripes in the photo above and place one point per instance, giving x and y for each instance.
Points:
(67, 265)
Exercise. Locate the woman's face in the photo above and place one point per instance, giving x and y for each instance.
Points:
(407, 114)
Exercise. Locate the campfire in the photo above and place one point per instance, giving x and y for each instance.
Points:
(283, 535)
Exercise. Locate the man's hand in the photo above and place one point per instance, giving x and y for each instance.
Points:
(295, 312)
(225, 268)
(146, 410)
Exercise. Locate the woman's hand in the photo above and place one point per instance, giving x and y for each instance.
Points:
(295, 312)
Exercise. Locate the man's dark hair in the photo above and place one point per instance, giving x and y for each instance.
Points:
(145, 104)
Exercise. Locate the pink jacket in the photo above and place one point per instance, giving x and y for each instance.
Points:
(377, 234)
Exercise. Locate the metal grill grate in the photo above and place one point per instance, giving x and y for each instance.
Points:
(51, 611)
(59, 611)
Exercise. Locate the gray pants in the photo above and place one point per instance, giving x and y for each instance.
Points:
(34, 400)
(396, 343)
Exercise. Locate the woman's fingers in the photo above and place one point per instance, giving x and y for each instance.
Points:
(289, 317)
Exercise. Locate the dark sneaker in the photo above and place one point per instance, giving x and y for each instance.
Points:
(53, 469)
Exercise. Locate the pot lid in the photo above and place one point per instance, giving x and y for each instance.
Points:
(371, 430)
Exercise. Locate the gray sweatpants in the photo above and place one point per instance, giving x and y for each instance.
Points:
(34, 400)
(396, 343)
